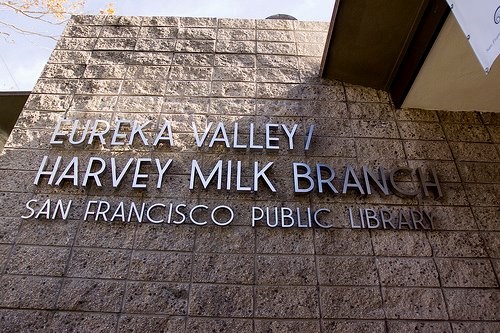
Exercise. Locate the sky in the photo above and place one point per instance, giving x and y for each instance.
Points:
(22, 57)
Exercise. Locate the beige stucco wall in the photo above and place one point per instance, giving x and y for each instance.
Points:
(452, 78)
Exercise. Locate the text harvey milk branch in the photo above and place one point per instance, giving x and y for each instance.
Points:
(223, 176)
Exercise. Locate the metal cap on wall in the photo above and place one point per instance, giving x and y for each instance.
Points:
(280, 17)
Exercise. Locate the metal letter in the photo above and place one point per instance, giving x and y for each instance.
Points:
(430, 217)
(30, 209)
(288, 215)
(133, 208)
(51, 173)
(138, 175)
(328, 181)
(199, 141)
(117, 135)
(299, 220)
(191, 214)
(74, 127)
(351, 219)
(161, 170)
(99, 134)
(235, 138)
(238, 179)
(368, 175)
(220, 128)
(222, 223)
(60, 207)
(149, 211)
(316, 213)
(229, 174)
(87, 211)
(180, 213)
(73, 165)
(169, 138)
(137, 129)
(44, 210)
(196, 170)
(95, 174)
(261, 174)
(348, 174)
(388, 220)
(119, 212)
(103, 213)
(276, 217)
(434, 183)
(417, 218)
(254, 217)
(290, 134)
(371, 215)
(402, 220)
(252, 144)
(305, 176)
(270, 139)
(396, 187)
(53, 139)
(117, 180)
(309, 137)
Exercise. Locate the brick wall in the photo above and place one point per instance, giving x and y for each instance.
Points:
(66, 275)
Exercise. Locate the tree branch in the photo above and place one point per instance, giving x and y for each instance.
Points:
(37, 15)
(26, 32)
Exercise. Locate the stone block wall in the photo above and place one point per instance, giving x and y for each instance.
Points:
(76, 275)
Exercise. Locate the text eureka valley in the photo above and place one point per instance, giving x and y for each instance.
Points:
(224, 175)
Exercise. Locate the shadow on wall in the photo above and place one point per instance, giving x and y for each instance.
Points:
(3, 138)
(11, 105)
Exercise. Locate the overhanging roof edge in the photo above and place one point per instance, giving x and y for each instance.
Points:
(329, 37)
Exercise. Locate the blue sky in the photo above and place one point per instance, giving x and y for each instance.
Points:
(22, 57)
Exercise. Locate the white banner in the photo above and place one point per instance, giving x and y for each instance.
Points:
(480, 21)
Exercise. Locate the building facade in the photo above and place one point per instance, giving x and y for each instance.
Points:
(196, 175)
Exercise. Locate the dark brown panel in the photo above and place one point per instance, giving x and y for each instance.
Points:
(369, 39)
(430, 25)
(11, 105)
